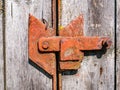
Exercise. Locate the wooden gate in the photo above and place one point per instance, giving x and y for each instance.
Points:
(99, 70)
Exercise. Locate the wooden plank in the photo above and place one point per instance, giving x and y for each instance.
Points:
(97, 71)
(1, 48)
(22, 74)
(118, 47)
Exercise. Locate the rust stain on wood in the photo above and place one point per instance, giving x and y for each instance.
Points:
(101, 71)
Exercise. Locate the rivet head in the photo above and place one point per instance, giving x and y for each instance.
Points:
(45, 45)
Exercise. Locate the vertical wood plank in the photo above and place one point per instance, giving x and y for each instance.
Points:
(118, 46)
(1, 48)
(20, 73)
(97, 71)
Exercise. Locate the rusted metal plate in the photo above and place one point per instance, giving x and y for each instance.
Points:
(70, 65)
(49, 44)
(74, 28)
(82, 43)
(69, 49)
(93, 43)
(37, 30)
(43, 45)
(47, 61)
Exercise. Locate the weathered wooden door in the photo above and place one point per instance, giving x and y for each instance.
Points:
(99, 70)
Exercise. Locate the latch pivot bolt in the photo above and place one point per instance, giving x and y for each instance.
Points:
(45, 45)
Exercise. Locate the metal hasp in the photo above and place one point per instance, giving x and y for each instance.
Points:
(70, 44)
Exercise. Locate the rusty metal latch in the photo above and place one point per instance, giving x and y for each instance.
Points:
(70, 44)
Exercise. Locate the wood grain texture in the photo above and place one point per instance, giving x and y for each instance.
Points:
(97, 68)
(1, 49)
(118, 47)
(21, 74)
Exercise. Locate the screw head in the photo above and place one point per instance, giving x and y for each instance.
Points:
(45, 45)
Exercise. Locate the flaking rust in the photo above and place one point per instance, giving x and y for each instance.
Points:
(71, 42)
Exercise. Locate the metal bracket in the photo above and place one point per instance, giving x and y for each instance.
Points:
(71, 42)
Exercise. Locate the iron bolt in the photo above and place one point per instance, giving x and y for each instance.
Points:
(45, 45)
